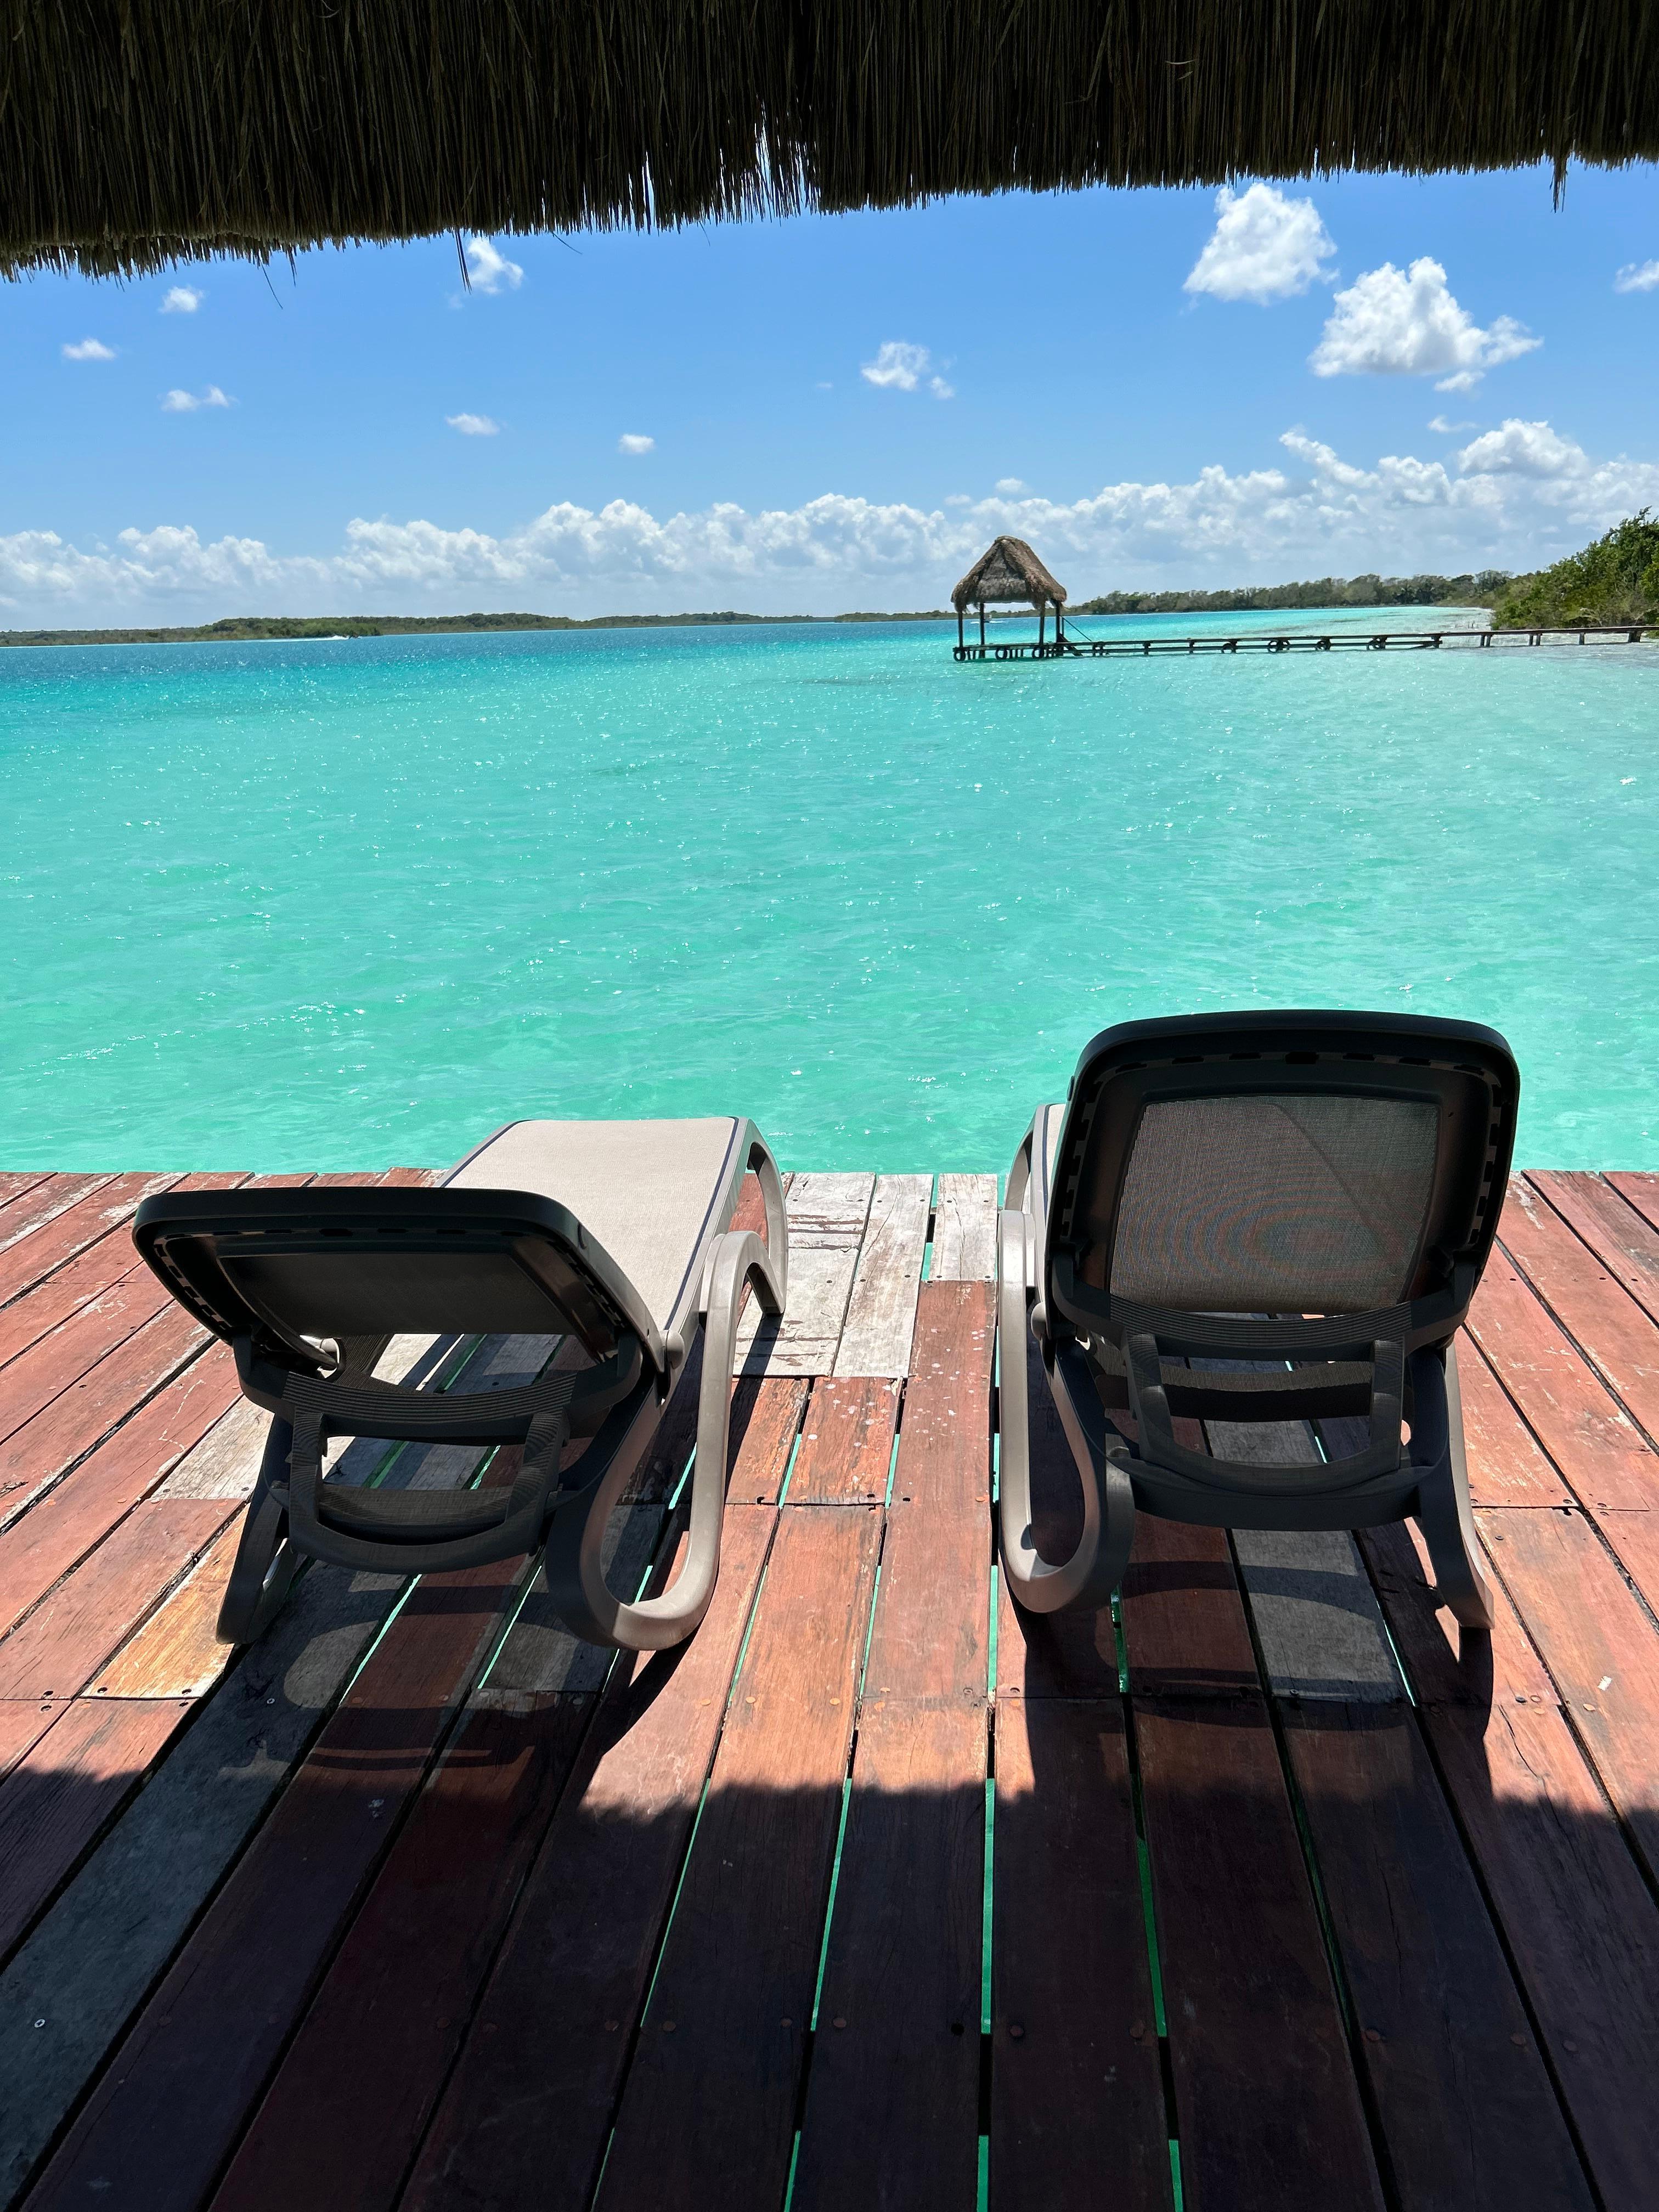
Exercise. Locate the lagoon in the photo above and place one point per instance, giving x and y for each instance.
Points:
(339, 904)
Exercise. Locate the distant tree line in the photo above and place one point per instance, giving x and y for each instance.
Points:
(1480, 590)
(251, 629)
(1616, 580)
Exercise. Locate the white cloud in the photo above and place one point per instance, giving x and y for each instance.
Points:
(1515, 497)
(88, 349)
(488, 269)
(1009, 486)
(474, 426)
(190, 403)
(1637, 276)
(1445, 429)
(1405, 323)
(182, 300)
(900, 367)
(1264, 246)
(634, 441)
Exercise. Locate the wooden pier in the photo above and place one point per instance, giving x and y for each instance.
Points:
(1256, 1891)
(1073, 646)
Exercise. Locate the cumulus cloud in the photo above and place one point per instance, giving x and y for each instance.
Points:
(474, 426)
(1393, 322)
(900, 367)
(1445, 429)
(88, 349)
(1010, 486)
(176, 402)
(1637, 276)
(1264, 246)
(1514, 497)
(488, 269)
(182, 300)
(634, 441)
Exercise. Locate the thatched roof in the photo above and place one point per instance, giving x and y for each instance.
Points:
(1007, 569)
(137, 131)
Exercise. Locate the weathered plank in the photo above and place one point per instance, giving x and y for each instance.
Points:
(1581, 1925)
(1593, 1443)
(528, 2107)
(827, 1215)
(1269, 2110)
(765, 1417)
(881, 1310)
(14, 1183)
(85, 1224)
(23, 1722)
(1635, 1538)
(1505, 1465)
(1076, 2087)
(176, 1652)
(846, 1443)
(49, 1366)
(1626, 1242)
(708, 2111)
(1465, 2103)
(58, 1797)
(1641, 1190)
(1606, 1323)
(32, 1210)
(965, 1229)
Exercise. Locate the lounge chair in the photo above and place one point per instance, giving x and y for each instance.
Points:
(616, 1234)
(1300, 1204)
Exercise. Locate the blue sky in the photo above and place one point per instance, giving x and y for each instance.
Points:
(311, 440)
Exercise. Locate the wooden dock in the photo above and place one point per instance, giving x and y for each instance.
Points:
(1075, 645)
(1251, 1892)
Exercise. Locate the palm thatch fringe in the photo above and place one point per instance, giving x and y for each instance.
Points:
(135, 132)
(1007, 569)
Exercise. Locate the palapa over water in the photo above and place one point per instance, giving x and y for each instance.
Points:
(137, 133)
(1008, 570)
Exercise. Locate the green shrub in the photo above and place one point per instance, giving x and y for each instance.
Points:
(1614, 581)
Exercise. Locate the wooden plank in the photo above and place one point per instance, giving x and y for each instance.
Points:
(527, 2109)
(23, 1722)
(1593, 1442)
(881, 1311)
(160, 2118)
(708, 2110)
(1465, 2103)
(892, 2100)
(1639, 1190)
(1269, 2110)
(30, 1212)
(1185, 1632)
(48, 1367)
(37, 1550)
(965, 1229)
(59, 1646)
(766, 1417)
(846, 1443)
(55, 1799)
(827, 1217)
(1626, 1242)
(86, 1224)
(176, 1653)
(1604, 1321)
(891, 2117)
(1077, 2098)
(13, 1184)
(1506, 1465)
(1635, 1538)
(1601, 1649)
(1582, 1926)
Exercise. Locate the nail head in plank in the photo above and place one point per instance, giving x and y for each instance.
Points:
(965, 1229)
(1270, 2112)
(1077, 2091)
(708, 2113)
(891, 2115)
(846, 1443)
(527, 2112)
(881, 1310)
(1464, 2099)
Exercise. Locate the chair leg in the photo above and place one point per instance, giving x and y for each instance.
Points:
(1096, 1566)
(1443, 1514)
(266, 1563)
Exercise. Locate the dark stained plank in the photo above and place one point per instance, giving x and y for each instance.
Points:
(892, 2100)
(1601, 1649)
(1505, 1463)
(1268, 2108)
(528, 2107)
(23, 1722)
(42, 1545)
(708, 2111)
(1603, 1320)
(1592, 1440)
(56, 1798)
(86, 1224)
(59, 1646)
(1581, 1925)
(1626, 1242)
(81, 1416)
(1077, 2096)
(160, 2118)
(30, 1211)
(1184, 1628)
(1465, 2105)
(847, 1443)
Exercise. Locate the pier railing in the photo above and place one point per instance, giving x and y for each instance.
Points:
(1087, 649)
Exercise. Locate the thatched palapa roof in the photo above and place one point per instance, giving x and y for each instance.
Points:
(1007, 569)
(137, 131)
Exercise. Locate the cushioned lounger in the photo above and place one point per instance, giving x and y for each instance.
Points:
(1254, 1218)
(615, 1236)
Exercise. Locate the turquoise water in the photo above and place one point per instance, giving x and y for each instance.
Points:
(339, 905)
